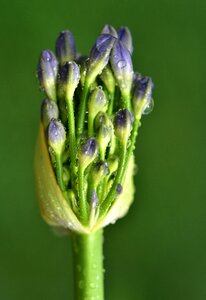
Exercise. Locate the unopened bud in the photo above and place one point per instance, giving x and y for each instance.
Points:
(94, 199)
(47, 73)
(49, 110)
(68, 79)
(109, 30)
(119, 189)
(88, 152)
(102, 119)
(125, 37)
(122, 67)
(142, 97)
(99, 171)
(123, 124)
(65, 47)
(108, 79)
(99, 56)
(56, 136)
(103, 136)
(97, 102)
(113, 164)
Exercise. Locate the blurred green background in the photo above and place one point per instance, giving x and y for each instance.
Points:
(158, 252)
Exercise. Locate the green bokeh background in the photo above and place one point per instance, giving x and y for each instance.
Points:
(158, 252)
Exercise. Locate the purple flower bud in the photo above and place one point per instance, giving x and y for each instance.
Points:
(125, 37)
(49, 110)
(108, 79)
(65, 47)
(109, 30)
(102, 119)
(99, 171)
(90, 147)
(99, 56)
(122, 67)
(56, 136)
(94, 199)
(69, 76)
(142, 96)
(101, 168)
(123, 124)
(97, 102)
(119, 189)
(88, 152)
(47, 73)
(103, 135)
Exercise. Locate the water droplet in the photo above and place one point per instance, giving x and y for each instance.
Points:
(81, 284)
(149, 107)
(70, 224)
(79, 268)
(92, 285)
(47, 57)
(121, 64)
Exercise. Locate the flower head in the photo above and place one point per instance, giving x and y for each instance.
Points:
(89, 120)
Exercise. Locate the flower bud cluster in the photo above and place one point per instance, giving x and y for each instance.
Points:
(90, 117)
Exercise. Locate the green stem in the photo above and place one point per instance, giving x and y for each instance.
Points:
(59, 172)
(111, 104)
(82, 110)
(82, 198)
(90, 124)
(88, 266)
(126, 102)
(132, 141)
(124, 159)
(72, 138)
(118, 178)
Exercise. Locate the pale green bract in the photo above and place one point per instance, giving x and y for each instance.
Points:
(54, 208)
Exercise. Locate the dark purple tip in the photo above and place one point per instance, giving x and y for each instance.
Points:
(123, 118)
(109, 30)
(102, 168)
(125, 37)
(90, 147)
(69, 71)
(143, 87)
(65, 47)
(102, 46)
(47, 67)
(64, 72)
(94, 199)
(119, 189)
(121, 60)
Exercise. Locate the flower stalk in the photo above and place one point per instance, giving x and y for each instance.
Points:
(88, 266)
(84, 162)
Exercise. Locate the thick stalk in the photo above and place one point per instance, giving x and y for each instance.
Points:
(88, 266)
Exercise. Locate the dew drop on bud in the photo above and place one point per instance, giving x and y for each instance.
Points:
(149, 107)
(121, 64)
